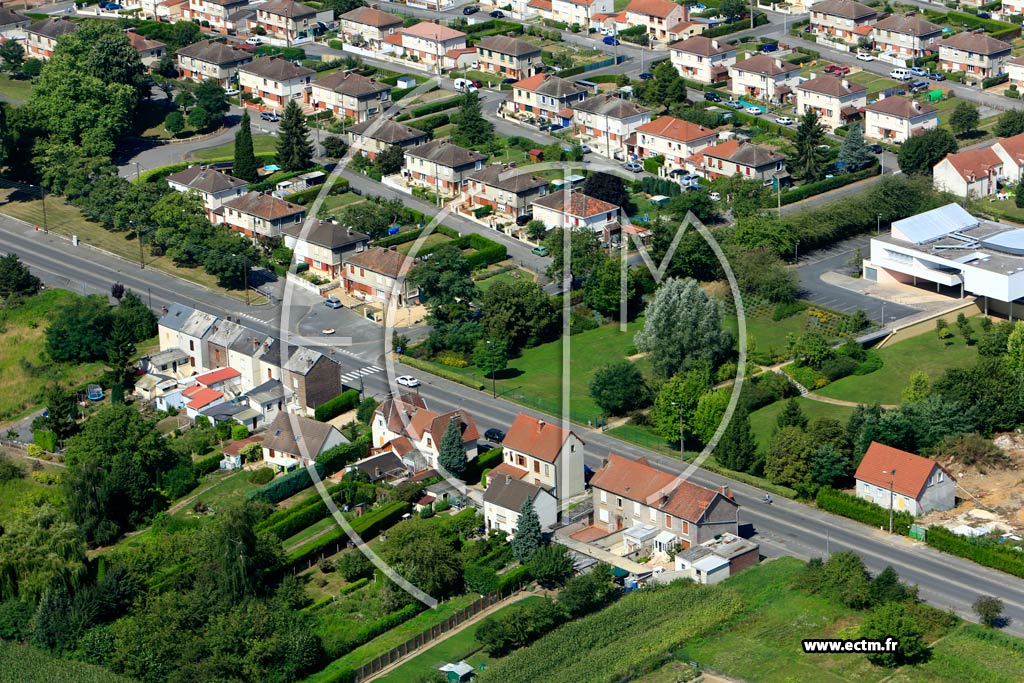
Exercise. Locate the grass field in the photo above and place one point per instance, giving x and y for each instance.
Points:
(219, 488)
(433, 239)
(25, 664)
(507, 276)
(16, 91)
(336, 202)
(262, 144)
(762, 422)
(766, 335)
(15, 492)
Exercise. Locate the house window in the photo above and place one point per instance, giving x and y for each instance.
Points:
(191, 345)
(686, 527)
(618, 502)
(604, 496)
(668, 521)
(521, 461)
(429, 444)
(547, 470)
(654, 515)
(602, 515)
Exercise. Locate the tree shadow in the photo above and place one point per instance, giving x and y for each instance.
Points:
(507, 373)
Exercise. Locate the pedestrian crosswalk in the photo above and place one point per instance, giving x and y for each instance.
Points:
(361, 372)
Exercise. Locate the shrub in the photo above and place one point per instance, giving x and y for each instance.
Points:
(811, 189)
(367, 526)
(481, 211)
(838, 367)
(653, 164)
(239, 432)
(788, 309)
(286, 486)
(333, 459)
(451, 359)
(863, 511)
(341, 403)
(261, 476)
(210, 463)
(354, 586)
(983, 551)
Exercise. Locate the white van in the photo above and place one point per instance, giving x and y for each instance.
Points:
(901, 74)
(464, 85)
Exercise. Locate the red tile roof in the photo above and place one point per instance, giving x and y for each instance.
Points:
(235, 447)
(653, 8)
(972, 164)
(202, 398)
(537, 438)
(378, 260)
(912, 471)
(705, 47)
(393, 39)
(1014, 147)
(864, 30)
(369, 16)
(509, 469)
(975, 42)
(579, 204)
(543, 5)
(676, 129)
(432, 31)
(215, 376)
(902, 107)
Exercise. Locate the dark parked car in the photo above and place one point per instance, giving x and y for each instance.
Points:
(770, 47)
(494, 435)
(498, 14)
(611, 40)
(712, 97)
(508, 81)
(472, 9)
(269, 116)
(983, 15)
(876, 148)
(936, 76)
(646, 76)
(524, 219)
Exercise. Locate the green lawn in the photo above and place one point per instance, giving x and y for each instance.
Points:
(219, 488)
(26, 664)
(765, 335)
(762, 422)
(924, 352)
(336, 202)
(262, 144)
(16, 91)
(432, 240)
(507, 276)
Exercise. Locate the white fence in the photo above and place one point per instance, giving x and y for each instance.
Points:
(309, 286)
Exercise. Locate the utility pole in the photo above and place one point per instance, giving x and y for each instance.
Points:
(245, 278)
(42, 195)
(494, 390)
(892, 483)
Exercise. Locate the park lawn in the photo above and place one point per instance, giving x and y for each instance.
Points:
(762, 421)
(24, 374)
(764, 334)
(27, 664)
(16, 91)
(262, 144)
(461, 646)
(924, 352)
(645, 437)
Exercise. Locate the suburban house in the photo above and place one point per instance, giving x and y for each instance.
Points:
(257, 356)
(428, 42)
(276, 81)
(840, 19)
(268, 399)
(311, 376)
(192, 399)
(763, 77)
(579, 11)
(607, 121)
(507, 190)
(684, 30)
(392, 417)
(441, 165)
(324, 246)
(261, 214)
(370, 138)
(573, 210)
(369, 24)
(225, 380)
(629, 493)
(979, 56)
(895, 119)
(350, 95)
(223, 334)
(296, 441)
(509, 57)
(657, 15)
(373, 273)
(290, 22)
(213, 186)
(975, 172)
(185, 328)
(906, 34)
(1015, 70)
(504, 498)
(552, 97)
(41, 37)
(12, 24)
(212, 13)
(211, 59)
(672, 138)
(835, 100)
(718, 559)
(406, 428)
(170, 10)
(910, 482)
(705, 60)
(545, 455)
(752, 162)
(150, 51)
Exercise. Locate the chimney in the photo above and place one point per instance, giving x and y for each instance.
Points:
(604, 462)
(540, 425)
(725, 491)
(778, 63)
(508, 479)
(255, 343)
(642, 461)
(846, 84)
(715, 44)
(309, 362)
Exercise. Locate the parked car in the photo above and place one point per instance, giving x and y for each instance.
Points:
(753, 111)
(231, 91)
(876, 148)
(983, 15)
(690, 179)
(865, 57)
(524, 219)
(900, 74)
(918, 71)
(646, 76)
(508, 81)
(539, 250)
(770, 47)
(633, 166)
(494, 435)
(586, 148)
(269, 116)
(332, 302)
(253, 40)
(715, 197)
(498, 14)
(936, 76)
(712, 97)
(464, 85)
(611, 40)
(734, 104)
(919, 86)
(472, 9)
(837, 69)
(783, 120)
(408, 381)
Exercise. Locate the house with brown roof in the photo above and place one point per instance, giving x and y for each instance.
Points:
(150, 51)
(749, 161)
(260, 215)
(211, 59)
(705, 60)
(629, 493)
(978, 55)
(906, 34)
(296, 441)
(508, 190)
(1011, 151)
(288, 22)
(764, 78)
(509, 57)
(546, 455)
(909, 482)
(573, 210)
(212, 14)
(276, 81)
(684, 30)
(441, 166)
(428, 42)
(657, 15)
(504, 498)
(672, 138)
(324, 246)
(374, 273)
(369, 25)
(840, 19)
(605, 122)
(547, 96)
(12, 24)
(215, 187)
(350, 95)
(373, 136)
(404, 426)
(977, 172)
(896, 119)
(835, 100)
(42, 36)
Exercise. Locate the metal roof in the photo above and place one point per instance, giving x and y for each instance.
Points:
(1010, 242)
(932, 225)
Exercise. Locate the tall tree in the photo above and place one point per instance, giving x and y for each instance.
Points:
(854, 153)
(917, 388)
(585, 254)
(471, 128)
(13, 54)
(528, 538)
(490, 356)
(602, 290)
(61, 414)
(682, 326)
(294, 151)
(245, 166)
(140, 319)
(233, 552)
(608, 188)
(1015, 347)
(80, 330)
(809, 163)
(15, 277)
(964, 118)
(120, 351)
(445, 280)
(791, 416)
(390, 160)
(920, 153)
(619, 388)
(677, 400)
(893, 621)
(737, 449)
(1010, 123)
(451, 454)
(519, 311)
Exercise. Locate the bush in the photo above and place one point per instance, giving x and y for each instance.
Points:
(354, 586)
(367, 526)
(653, 164)
(341, 403)
(432, 108)
(838, 367)
(481, 211)
(985, 552)
(333, 459)
(286, 486)
(306, 197)
(239, 432)
(452, 359)
(811, 189)
(861, 510)
(210, 463)
(872, 361)
(788, 309)
(260, 476)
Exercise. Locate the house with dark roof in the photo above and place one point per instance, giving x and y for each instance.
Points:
(403, 426)
(835, 100)
(290, 22)
(212, 14)
(258, 356)
(629, 493)
(546, 96)
(150, 51)
(311, 377)
(906, 34)
(674, 139)
(368, 25)
(260, 214)
(896, 119)
(909, 483)
(372, 137)
(701, 59)
(657, 15)
(841, 19)
(573, 210)
(508, 190)
(509, 57)
(268, 399)
(215, 187)
(211, 59)
(715, 560)
(222, 336)
(441, 166)
(373, 274)
(504, 498)
(978, 55)
(751, 162)
(763, 77)
(42, 36)
(12, 24)
(276, 81)
(348, 94)
(545, 455)
(186, 328)
(324, 245)
(296, 441)
(605, 122)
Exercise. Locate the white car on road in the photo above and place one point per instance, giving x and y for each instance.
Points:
(783, 120)
(865, 57)
(408, 381)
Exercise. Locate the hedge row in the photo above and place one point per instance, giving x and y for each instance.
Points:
(486, 460)
(438, 371)
(335, 673)
(429, 124)
(737, 26)
(491, 25)
(764, 124)
(410, 235)
(286, 486)
(1002, 558)
(474, 38)
(513, 578)
(300, 518)
(432, 108)
(342, 403)
(274, 178)
(333, 459)
(487, 251)
(278, 516)
(354, 586)
(811, 189)
(306, 197)
(210, 463)
(367, 526)
(996, 29)
(861, 510)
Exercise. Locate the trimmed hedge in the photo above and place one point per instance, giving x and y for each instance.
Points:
(354, 586)
(486, 460)
(333, 459)
(995, 80)
(286, 486)
(760, 19)
(432, 108)
(861, 510)
(996, 29)
(210, 463)
(410, 235)
(281, 514)
(342, 403)
(431, 123)
(307, 196)
(367, 526)
(300, 518)
(274, 178)
(811, 189)
(439, 371)
(985, 553)
(513, 578)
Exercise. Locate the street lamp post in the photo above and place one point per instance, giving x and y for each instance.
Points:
(494, 389)
(796, 251)
(892, 482)
(682, 435)
(878, 225)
